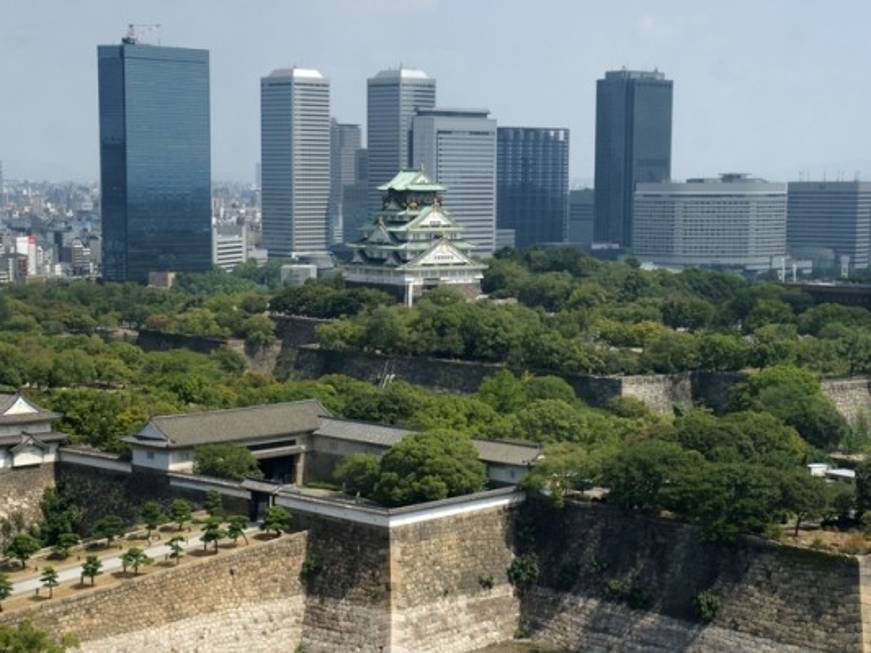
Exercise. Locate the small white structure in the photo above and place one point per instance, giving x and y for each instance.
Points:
(26, 434)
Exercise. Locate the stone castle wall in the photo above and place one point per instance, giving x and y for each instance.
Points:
(449, 583)
(247, 599)
(21, 490)
(852, 396)
(771, 597)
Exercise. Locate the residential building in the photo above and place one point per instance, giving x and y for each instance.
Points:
(457, 148)
(392, 98)
(295, 161)
(735, 221)
(229, 245)
(413, 243)
(633, 145)
(155, 160)
(532, 183)
(582, 212)
(345, 142)
(830, 222)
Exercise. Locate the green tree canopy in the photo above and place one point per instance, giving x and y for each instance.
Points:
(226, 460)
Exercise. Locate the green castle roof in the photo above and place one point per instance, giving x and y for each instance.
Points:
(412, 180)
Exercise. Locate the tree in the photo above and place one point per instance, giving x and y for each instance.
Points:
(65, 542)
(60, 515)
(549, 387)
(640, 475)
(213, 533)
(722, 352)
(180, 510)
(670, 352)
(236, 526)
(22, 547)
(503, 391)
(49, 579)
(91, 568)
(428, 466)
(108, 528)
(26, 638)
(153, 516)
(176, 548)
(134, 557)
(564, 467)
(214, 503)
(358, 473)
(5, 589)
(803, 495)
(276, 519)
(226, 460)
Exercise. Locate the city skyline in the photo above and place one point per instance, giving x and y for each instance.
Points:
(784, 130)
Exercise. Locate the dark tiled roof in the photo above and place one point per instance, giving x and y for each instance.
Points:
(500, 452)
(235, 424)
(41, 415)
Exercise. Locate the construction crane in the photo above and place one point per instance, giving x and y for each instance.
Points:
(135, 32)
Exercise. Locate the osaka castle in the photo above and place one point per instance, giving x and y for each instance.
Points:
(412, 244)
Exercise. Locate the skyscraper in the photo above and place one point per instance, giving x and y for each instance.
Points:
(155, 160)
(295, 161)
(344, 144)
(355, 199)
(581, 216)
(827, 220)
(392, 98)
(633, 145)
(457, 149)
(532, 183)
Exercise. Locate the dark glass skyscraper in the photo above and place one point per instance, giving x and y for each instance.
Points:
(155, 160)
(633, 145)
(532, 183)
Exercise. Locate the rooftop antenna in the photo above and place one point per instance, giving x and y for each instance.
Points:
(136, 31)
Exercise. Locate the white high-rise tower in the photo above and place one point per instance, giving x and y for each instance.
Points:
(295, 161)
(393, 97)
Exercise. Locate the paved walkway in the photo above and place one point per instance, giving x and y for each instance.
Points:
(110, 563)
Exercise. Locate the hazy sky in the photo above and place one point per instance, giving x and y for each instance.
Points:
(770, 87)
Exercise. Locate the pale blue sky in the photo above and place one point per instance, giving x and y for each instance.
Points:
(773, 87)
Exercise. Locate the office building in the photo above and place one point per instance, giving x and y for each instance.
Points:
(355, 199)
(229, 245)
(295, 161)
(344, 145)
(457, 148)
(392, 98)
(829, 222)
(633, 145)
(735, 221)
(532, 183)
(155, 160)
(582, 212)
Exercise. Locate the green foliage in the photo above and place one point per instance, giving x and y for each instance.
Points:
(276, 519)
(153, 516)
(325, 300)
(108, 528)
(228, 460)
(49, 579)
(523, 571)
(428, 466)
(5, 589)
(176, 548)
(214, 503)
(60, 516)
(91, 568)
(22, 547)
(65, 542)
(794, 396)
(134, 558)
(358, 473)
(487, 582)
(312, 567)
(565, 467)
(27, 638)
(213, 533)
(707, 605)
(236, 525)
(180, 510)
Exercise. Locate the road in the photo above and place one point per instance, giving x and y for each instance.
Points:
(110, 564)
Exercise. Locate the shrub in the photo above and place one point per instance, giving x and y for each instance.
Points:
(486, 582)
(312, 567)
(523, 571)
(226, 460)
(706, 605)
(615, 590)
(640, 597)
